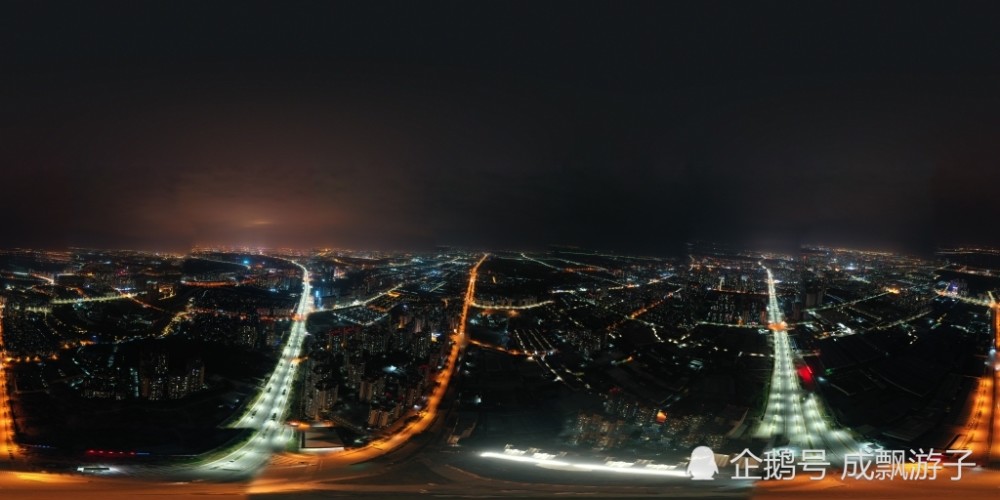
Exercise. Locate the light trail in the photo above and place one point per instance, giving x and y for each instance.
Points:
(847, 303)
(968, 300)
(542, 262)
(978, 432)
(992, 380)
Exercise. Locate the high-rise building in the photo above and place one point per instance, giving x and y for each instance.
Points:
(371, 389)
(157, 381)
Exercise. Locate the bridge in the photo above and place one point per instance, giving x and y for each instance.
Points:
(265, 414)
(359, 302)
(991, 302)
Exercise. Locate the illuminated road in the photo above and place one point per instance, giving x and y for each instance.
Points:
(983, 425)
(791, 412)
(994, 435)
(431, 411)
(266, 413)
(550, 461)
(587, 266)
(9, 451)
(104, 298)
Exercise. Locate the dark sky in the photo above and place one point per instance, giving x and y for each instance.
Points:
(627, 126)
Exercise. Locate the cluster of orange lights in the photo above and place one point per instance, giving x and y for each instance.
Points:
(29, 359)
(643, 310)
(427, 415)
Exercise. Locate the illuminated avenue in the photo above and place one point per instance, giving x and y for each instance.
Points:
(792, 413)
(270, 407)
(492, 337)
(9, 451)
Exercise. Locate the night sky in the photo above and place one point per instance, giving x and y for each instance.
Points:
(625, 126)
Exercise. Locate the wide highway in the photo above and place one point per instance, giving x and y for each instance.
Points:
(9, 450)
(266, 412)
(792, 412)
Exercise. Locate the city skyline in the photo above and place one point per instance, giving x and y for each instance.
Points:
(252, 372)
(387, 249)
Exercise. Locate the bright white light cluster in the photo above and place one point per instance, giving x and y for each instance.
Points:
(544, 460)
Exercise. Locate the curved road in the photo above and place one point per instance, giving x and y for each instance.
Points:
(267, 411)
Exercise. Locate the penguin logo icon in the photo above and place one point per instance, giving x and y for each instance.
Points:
(702, 465)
